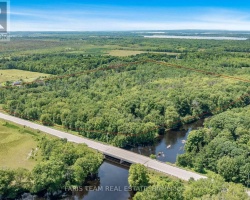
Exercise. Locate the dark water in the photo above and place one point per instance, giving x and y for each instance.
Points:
(112, 182)
(169, 145)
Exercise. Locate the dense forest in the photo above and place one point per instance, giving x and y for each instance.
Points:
(148, 185)
(222, 146)
(63, 164)
(127, 98)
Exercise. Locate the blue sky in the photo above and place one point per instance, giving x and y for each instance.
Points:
(76, 15)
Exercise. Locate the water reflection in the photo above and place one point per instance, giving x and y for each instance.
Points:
(113, 177)
(113, 184)
(169, 145)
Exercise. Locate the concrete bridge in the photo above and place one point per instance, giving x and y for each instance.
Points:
(110, 151)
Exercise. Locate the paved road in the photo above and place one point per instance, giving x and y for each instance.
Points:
(110, 150)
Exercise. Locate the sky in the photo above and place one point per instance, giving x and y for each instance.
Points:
(128, 15)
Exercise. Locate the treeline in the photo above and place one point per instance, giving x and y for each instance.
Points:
(29, 43)
(224, 62)
(171, 45)
(222, 146)
(63, 165)
(167, 45)
(63, 63)
(55, 63)
(148, 185)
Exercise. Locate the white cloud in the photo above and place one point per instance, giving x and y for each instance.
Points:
(112, 26)
(118, 19)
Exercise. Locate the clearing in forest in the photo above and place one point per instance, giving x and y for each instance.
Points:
(17, 146)
(13, 75)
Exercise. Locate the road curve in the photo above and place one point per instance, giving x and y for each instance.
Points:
(110, 150)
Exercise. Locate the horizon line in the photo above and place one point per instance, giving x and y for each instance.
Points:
(228, 30)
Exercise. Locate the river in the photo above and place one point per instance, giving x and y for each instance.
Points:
(112, 184)
(112, 181)
(169, 145)
(111, 175)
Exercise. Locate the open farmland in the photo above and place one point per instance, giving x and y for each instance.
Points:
(16, 146)
(16, 75)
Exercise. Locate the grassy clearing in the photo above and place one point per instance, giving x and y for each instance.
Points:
(135, 52)
(124, 52)
(16, 146)
(15, 75)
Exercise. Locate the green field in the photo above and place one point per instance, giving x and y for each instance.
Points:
(17, 145)
(124, 52)
(16, 75)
